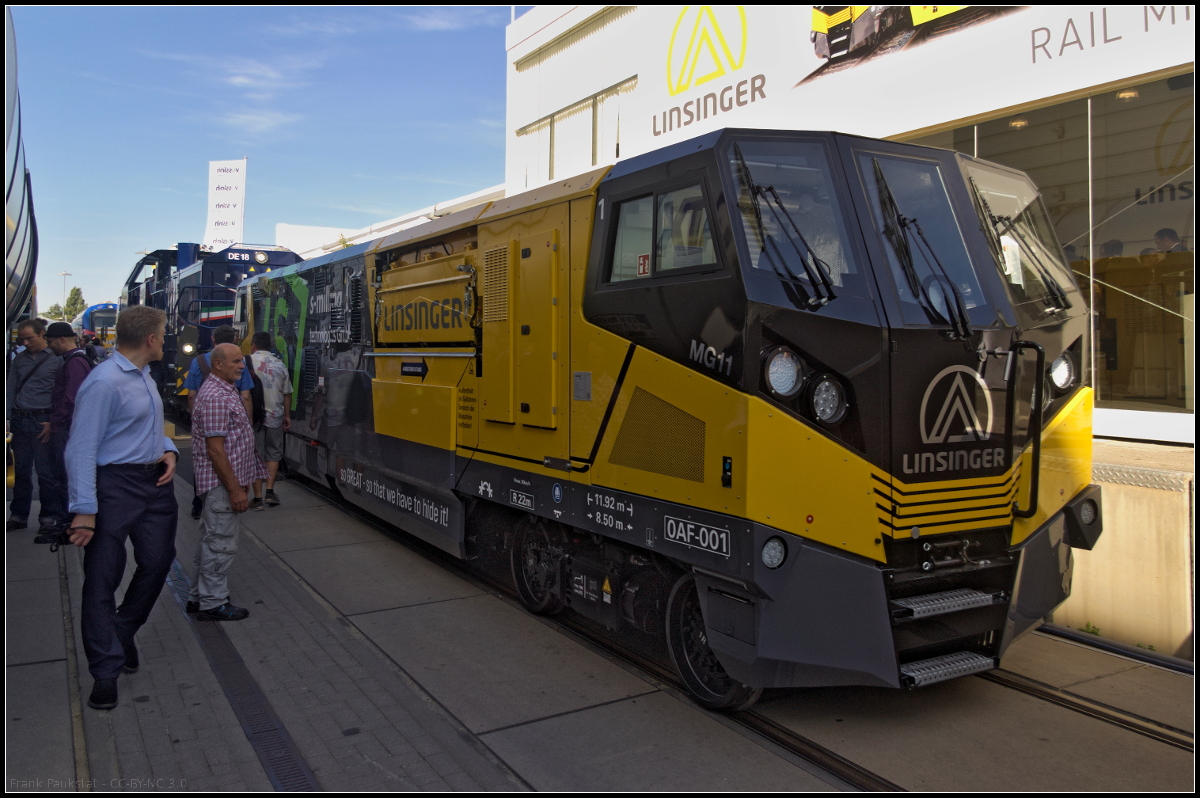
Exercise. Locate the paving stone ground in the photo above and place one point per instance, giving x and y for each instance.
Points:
(354, 716)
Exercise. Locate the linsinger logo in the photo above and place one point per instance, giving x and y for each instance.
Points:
(956, 420)
(702, 48)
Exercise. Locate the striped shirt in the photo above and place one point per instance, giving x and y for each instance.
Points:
(219, 413)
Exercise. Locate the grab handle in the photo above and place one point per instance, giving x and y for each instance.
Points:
(1035, 421)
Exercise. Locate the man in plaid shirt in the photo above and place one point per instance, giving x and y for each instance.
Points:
(226, 463)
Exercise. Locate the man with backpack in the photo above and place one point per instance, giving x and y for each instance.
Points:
(75, 368)
(198, 371)
(30, 389)
(275, 387)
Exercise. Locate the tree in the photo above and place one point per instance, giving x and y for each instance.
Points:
(76, 304)
(54, 312)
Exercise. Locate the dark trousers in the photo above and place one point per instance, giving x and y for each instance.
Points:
(130, 506)
(30, 455)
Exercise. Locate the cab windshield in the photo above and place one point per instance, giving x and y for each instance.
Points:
(931, 267)
(1021, 236)
(791, 219)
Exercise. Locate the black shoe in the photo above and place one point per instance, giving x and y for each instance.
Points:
(255, 503)
(226, 612)
(131, 659)
(104, 694)
(48, 533)
(15, 525)
(270, 499)
(193, 607)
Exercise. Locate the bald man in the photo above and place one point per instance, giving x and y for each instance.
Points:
(226, 464)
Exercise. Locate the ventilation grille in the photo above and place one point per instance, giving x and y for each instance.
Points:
(657, 436)
(308, 373)
(495, 284)
(356, 309)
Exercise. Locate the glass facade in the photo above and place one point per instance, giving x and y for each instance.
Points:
(1116, 171)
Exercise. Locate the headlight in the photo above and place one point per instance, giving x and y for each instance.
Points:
(774, 552)
(1062, 371)
(1087, 512)
(828, 400)
(784, 372)
(188, 349)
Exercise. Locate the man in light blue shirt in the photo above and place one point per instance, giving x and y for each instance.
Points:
(120, 467)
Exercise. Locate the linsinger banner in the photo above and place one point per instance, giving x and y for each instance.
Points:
(226, 203)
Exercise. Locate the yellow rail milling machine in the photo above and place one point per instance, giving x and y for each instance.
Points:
(774, 396)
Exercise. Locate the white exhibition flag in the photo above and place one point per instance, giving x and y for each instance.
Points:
(226, 203)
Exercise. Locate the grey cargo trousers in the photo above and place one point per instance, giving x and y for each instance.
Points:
(215, 549)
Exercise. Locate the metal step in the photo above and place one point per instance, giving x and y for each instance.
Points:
(948, 666)
(942, 603)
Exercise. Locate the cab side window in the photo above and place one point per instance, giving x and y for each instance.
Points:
(635, 235)
(666, 233)
(684, 236)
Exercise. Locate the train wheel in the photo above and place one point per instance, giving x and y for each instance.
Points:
(687, 641)
(534, 568)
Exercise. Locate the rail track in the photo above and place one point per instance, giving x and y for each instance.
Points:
(653, 664)
(1093, 709)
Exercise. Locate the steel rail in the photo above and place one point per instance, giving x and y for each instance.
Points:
(1146, 727)
(815, 754)
(1120, 649)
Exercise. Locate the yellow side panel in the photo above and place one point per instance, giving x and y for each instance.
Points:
(466, 414)
(1066, 463)
(538, 371)
(536, 328)
(415, 412)
(803, 482)
(820, 21)
(496, 386)
(596, 356)
(425, 303)
(923, 14)
(668, 433)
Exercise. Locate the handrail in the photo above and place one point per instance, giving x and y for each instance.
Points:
(440, 281)
(183, 314)
(1035, 421)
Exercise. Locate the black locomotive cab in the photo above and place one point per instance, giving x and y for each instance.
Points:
(910, 305)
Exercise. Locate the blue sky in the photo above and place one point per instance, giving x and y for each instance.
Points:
(348, 116)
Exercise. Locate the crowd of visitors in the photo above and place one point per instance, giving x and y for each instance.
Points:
(88, 422)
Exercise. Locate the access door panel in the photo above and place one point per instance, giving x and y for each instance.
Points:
(535, 331)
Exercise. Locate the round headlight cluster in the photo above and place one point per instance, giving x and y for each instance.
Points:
(1063, 372)
(188, 349)
(1088, 512)
(774, 552)
(828, 399)
(784, 372)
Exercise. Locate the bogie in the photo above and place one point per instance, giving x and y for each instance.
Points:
(536, 562)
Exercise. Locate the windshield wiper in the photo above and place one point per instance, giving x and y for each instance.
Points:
(816, 271)
(989, 230)
(1061, 302)
(895, 230)
(962, 326)
(1057, 299)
